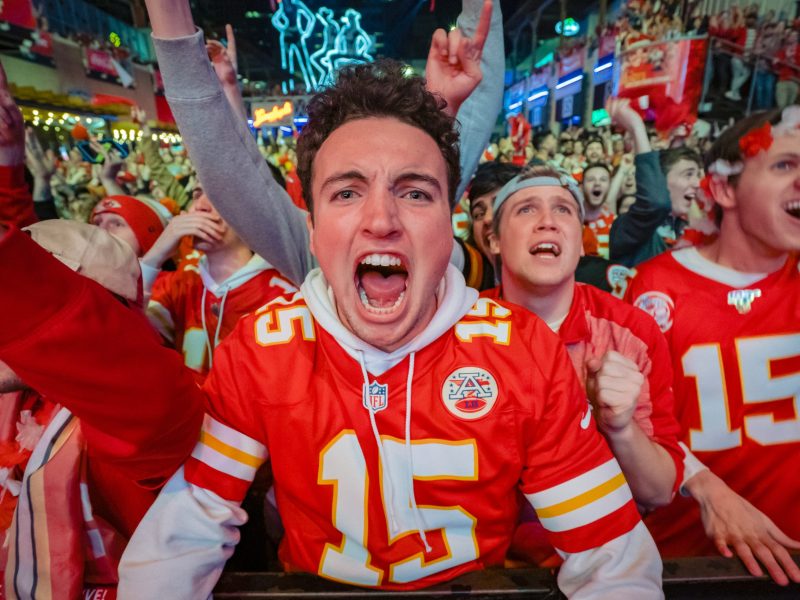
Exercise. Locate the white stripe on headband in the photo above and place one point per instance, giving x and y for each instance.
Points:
(516, 184)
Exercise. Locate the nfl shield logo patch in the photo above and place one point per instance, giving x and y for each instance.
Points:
(376, 397)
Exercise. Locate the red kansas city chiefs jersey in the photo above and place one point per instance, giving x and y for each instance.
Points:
(494, 407)
(735, 345)
(176, 310)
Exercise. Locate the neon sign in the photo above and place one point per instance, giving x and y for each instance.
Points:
(570, 27)
(341, 43)
(262, 116)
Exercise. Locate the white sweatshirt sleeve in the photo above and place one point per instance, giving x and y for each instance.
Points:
(626, 568)
(180, 547)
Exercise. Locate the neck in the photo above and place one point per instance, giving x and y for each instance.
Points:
(224, 262)
(740, 251)
(549, 303)
(593, 213)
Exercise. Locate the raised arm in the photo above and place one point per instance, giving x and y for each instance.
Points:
(240, 185)
(478, 114)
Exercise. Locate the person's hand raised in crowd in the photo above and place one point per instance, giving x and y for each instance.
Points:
(41, 163)
(200, 225)
(223, 58)
(623, 115)
(453, 69)
(12, 127)
(112, 161)
(736, 526)
(614, 384)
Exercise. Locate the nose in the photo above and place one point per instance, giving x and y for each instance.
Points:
(380, 216)
(545, 220)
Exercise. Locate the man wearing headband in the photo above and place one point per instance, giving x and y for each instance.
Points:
(620, 357)
(731, 315)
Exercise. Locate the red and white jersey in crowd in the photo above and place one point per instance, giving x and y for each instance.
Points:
(601, 228)
(596, 323)
(180, 298)
(492, 405)
(735, 344)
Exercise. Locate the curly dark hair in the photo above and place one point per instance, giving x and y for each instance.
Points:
(379, 89)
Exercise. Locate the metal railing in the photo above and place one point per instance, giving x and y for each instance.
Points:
(684, 579)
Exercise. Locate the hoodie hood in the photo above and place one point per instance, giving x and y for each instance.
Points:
(253, 267)
(454, 300)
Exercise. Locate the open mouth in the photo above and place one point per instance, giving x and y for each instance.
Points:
(381, 280)
(793, 208)
(690, 196)
(597, 193)
(546, 250)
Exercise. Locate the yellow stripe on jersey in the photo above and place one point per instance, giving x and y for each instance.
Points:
(229, 451)
(583, 499)
(160, 318)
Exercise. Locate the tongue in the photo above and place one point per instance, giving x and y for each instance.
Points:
(383, 291)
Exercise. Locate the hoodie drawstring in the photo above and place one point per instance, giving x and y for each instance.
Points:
(418, 520)
(209, 347)
(412, 501)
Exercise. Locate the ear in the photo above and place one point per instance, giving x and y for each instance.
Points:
(310, 226)
(724, 193)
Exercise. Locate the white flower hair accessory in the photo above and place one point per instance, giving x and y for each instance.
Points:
(790, 122)
(724, 168)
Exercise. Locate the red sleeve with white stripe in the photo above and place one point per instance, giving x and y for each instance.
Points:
(572, 480)
(232, 444)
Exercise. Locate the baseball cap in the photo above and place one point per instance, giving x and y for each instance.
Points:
(93, 253)
(146, 218)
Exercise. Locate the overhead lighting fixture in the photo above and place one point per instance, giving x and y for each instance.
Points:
(537, 96)
(515, 106)
(603, 67)
(569, 81)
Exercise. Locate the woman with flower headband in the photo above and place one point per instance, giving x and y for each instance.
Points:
(730, 313)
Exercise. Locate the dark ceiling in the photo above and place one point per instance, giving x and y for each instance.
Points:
(402, 27)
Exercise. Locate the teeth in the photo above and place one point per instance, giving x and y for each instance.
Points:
(382, 260)
(374, 309)
(547, 246)
(793, 205)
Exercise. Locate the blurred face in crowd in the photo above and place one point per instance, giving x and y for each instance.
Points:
(683, 180)
(567, 147)
(549, 144)
(540, 239)
(595, 152)
(766, 199)
(596, 182)
(118, 226)
(629, 183)
(481, 213)
(201, 204)
(381, 229)
(577, 148)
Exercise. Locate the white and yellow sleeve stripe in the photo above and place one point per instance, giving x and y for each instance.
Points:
(229, 451)
(583, 499)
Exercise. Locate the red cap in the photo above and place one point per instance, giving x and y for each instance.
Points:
(146, 218)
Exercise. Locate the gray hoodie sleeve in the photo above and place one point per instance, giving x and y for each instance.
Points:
(478, 114)
(235, 175)
(230, 168)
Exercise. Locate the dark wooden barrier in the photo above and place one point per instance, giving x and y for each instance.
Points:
(684, 579)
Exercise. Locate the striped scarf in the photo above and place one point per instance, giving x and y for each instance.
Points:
(55, 543)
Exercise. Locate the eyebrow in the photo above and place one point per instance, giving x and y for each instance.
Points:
(404, 178)
(345, 176)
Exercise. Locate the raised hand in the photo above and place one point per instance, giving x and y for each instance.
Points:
(223, 58)
(201, 225)
(453, 69)
(12, 128)
(41, 164)
(614, 383)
